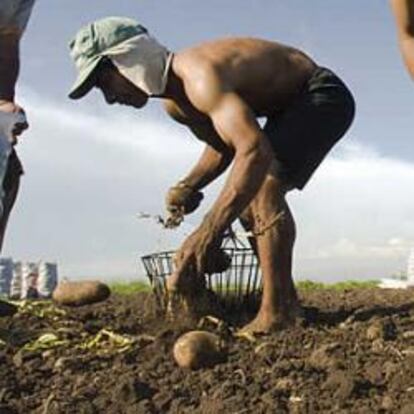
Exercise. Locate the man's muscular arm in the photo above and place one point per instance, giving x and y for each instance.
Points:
(404, 15)
(213, 162)
(237, 126)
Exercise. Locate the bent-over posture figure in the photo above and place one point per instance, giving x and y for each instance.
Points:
(219, 90)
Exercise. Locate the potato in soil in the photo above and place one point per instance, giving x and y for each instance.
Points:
(198, 349)
(80, 293)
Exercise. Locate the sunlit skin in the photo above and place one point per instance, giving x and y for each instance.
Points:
(404, 16)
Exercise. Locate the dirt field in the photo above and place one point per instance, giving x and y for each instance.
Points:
(353, 353)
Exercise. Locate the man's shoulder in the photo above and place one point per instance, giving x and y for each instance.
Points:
(196, 69)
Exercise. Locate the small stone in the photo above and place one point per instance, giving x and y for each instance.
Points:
(323, 357)
(342, 382)
(162, 401)
(377, 346)
(390, 368)
(374, 373)
(22, 357)
(284, 384)
(374, 331)
(387, 403)
(385, 330)
(408, 335)
(47, 354)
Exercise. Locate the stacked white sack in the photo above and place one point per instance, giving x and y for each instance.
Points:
(48, 279)
(30, 276)
(6, 275)
(16, 283)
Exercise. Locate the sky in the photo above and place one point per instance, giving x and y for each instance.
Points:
(90, 168)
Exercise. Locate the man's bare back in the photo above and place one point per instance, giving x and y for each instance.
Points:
(266, 75)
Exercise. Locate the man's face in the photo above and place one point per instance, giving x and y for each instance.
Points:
(117, 89)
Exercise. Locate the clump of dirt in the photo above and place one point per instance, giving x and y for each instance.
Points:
(352, 352)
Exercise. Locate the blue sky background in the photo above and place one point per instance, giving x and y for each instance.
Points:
(90, 167)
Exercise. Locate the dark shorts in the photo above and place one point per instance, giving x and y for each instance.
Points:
(303, 133)
(13, 172)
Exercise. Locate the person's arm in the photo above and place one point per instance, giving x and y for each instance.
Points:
(239, 130)
(213, 161)
(9, 64)
(185, 196)
(237, 125)
(14, 16)
(404, 15)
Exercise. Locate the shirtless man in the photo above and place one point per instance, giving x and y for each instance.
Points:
(404, 15)
(219, 90)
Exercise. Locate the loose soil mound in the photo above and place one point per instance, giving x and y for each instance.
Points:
(352, 353)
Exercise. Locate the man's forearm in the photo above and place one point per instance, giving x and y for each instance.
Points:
(247, 175)
(211, 164)
(9, 65)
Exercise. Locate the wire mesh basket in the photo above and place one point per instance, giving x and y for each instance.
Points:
(240, 285)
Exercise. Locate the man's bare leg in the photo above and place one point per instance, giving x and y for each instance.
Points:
(279, 304)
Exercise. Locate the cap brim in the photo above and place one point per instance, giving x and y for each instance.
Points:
(85, 81)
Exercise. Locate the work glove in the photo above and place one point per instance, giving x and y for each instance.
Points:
(183, 198)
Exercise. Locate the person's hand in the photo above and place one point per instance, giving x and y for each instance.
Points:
(13, 108)
(183, 198)
(197, 254)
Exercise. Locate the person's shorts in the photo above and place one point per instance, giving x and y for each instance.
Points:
(13, 172)
(14, 14)
(303, 133)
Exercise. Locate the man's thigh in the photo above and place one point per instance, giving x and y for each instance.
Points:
(304, 133)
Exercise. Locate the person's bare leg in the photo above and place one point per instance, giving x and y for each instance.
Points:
(279, 304)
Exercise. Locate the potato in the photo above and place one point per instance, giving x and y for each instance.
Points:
(80, 293)
(198, 349)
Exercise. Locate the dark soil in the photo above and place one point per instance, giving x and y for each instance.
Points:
(352, 353)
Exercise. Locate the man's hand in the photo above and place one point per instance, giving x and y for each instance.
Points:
(183, 198)
(12, 108)
(192, 260)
